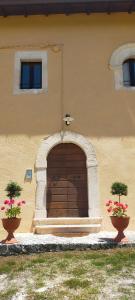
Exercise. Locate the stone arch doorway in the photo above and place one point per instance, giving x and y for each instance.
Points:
(67, 182)
(41, 172)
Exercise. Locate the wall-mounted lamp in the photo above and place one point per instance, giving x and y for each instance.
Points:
(68, 119)
(28, 175)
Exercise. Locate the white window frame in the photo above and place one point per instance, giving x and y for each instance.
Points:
(118, 57)
(30, 56)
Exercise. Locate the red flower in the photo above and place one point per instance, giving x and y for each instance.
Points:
(6, 202)
(109, 209)
(19, 204)
(115, 209)
(3, 207)
(110, 201)
(23, 202)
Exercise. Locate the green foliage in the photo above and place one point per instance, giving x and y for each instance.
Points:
(13, 190)
(119, 189)
(13, 212)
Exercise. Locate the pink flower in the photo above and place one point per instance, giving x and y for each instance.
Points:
(125, 206)
(19, 204)
(3, 207)
(109, 202)
(12, 201)
(120, 205)
(117, 208)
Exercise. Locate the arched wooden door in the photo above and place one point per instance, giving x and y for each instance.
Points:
(67, 182)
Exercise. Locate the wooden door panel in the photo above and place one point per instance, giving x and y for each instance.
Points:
(58, 183)
(55, 213)
(66, 205)
(76, 191)
(67, 182)
(66, 191)
(68, 171)
(77, 176)
(57, 191)
(66, 164)
(81, 197)
(58, 198)
(67, 157)
(76, 184)
(64, 149)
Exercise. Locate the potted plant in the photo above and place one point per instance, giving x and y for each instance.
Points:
(12, 209)
(118, 211)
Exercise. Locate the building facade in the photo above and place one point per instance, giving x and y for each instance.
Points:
(54, 63)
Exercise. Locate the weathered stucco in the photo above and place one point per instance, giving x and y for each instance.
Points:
(80, 82)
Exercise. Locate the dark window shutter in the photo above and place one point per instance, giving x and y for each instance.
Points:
(129, 72)
(31, 75)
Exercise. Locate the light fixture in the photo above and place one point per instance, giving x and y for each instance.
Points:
(68, 119)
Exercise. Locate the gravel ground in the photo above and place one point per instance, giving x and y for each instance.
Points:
(93, 238)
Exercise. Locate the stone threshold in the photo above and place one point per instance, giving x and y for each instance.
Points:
(18, 249)
(31, 243)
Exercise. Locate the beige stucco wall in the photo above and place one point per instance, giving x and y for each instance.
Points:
(79, 82)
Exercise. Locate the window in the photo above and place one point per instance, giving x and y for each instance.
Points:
(122, 63)
(31, 75)
(129, 72)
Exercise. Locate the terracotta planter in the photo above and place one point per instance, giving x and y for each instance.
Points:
(10, 225)
(120, 223)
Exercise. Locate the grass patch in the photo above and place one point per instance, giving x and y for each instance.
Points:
(8, 294)
(7, 267)
(72, 275)
(79, 271)
(115, 260)
(62, 264)
(75, 283)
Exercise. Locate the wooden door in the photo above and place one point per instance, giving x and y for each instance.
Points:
(67, 182)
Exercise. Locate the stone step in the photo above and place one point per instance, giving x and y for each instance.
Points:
(67, 221)
(67, 229)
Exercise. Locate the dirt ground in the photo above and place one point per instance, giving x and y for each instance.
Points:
(71, 275)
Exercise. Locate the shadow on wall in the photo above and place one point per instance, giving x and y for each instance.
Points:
(96, 118)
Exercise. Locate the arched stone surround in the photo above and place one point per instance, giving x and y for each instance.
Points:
(41, 172)
(119, 55)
